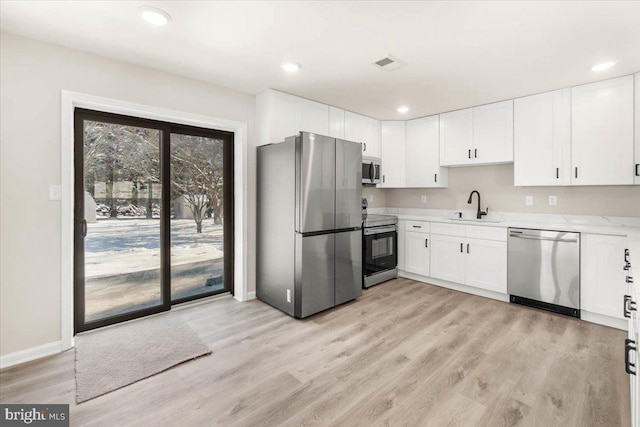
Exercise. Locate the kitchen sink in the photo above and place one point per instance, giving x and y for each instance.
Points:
(492, 218)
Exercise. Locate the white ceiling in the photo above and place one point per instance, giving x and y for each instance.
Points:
(459, 54)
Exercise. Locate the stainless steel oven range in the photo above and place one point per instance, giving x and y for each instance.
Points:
(380, 248)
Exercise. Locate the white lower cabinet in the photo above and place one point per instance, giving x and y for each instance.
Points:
(447, 258)
(602, 284)
(486, 265)
(473, 262)
(417, 253)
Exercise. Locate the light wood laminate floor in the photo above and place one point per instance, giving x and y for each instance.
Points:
(404, 354)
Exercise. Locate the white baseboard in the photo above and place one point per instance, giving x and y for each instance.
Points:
(601, 319)
(30, 354)
(251, 295)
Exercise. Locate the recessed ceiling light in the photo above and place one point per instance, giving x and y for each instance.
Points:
(403, 109)
(291, 67)
(153, 15)
(603, 66)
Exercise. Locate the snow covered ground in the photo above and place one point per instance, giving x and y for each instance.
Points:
(123, 245)
(122, 263)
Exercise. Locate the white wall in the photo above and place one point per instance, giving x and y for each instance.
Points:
(32, 75)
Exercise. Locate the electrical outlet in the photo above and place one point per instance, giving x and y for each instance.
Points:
(423, 199)
(553, 200)
(55, 192)
(371, 197)
(288, 295)
(528, 200)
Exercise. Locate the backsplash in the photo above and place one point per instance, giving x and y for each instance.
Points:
(495, 184)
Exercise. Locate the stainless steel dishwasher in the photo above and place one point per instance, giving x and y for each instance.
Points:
(544, 270)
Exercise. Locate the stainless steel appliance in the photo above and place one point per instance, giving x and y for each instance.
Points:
(544, 269)
(309, 235)
(371, 170)
(380, 248)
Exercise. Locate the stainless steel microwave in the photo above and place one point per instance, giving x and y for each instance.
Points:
(371, 170)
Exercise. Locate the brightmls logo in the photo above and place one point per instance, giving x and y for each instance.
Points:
(36, 415)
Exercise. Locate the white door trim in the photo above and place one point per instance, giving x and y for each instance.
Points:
(71, 100)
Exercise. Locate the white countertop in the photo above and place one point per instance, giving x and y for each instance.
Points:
(615, 226)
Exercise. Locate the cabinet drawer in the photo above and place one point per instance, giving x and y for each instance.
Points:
(487, 233)
(457, 230)
(417, 226)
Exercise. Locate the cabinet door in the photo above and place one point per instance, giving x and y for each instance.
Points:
(493, 133)
(636, 165)
(542, 139)
(336, 122)
(417, 253)
(401, 244)
(456, 137)
(602, 132)
(315, 117)
(393, 136)
(486, 264)
(447, 258)
(352, 127)
(602, 279)
(287, 116)
(422, 154)
(370, 135)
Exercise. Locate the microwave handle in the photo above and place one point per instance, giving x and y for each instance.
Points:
(371, 171)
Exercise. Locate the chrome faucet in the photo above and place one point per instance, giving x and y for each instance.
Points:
(479, 213)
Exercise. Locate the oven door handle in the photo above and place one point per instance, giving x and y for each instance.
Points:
(379, 230)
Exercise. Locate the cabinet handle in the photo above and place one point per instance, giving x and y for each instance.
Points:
(637, 169)
(628, 306)
(416, 226)
(435, 177)
(629, 345)
(426, 243)
(467, 248)
(383, 178)
(365, 146)
(475, 153)
(626, 256)
(461, 250)
(469, 153)
(576, 172)
(557, 173)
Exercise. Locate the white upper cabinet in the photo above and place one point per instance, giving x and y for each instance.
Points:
(542, 139)
(359, 128)
(422, 154)
(479, 135)
(493, 133)
(336, 122)
(636, 165)
(315, 117)
(456, 137)
(393, 149)
(602, 132)
(278, 115)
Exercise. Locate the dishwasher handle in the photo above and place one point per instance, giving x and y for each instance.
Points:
(531, 237)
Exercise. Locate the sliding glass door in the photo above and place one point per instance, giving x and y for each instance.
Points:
(153, 216)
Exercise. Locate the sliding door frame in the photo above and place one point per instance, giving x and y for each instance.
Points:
(80, 115)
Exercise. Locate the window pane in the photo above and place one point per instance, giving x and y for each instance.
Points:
(122, 210)
(197, 206)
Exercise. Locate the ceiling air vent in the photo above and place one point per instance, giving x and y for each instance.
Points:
(390, 63)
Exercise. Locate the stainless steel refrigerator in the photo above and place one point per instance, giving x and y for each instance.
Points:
(309, 219)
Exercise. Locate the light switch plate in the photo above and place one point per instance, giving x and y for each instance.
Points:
(423, 199)
(371, 197)
(528, 200)
(55, 192)
(553, 200)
